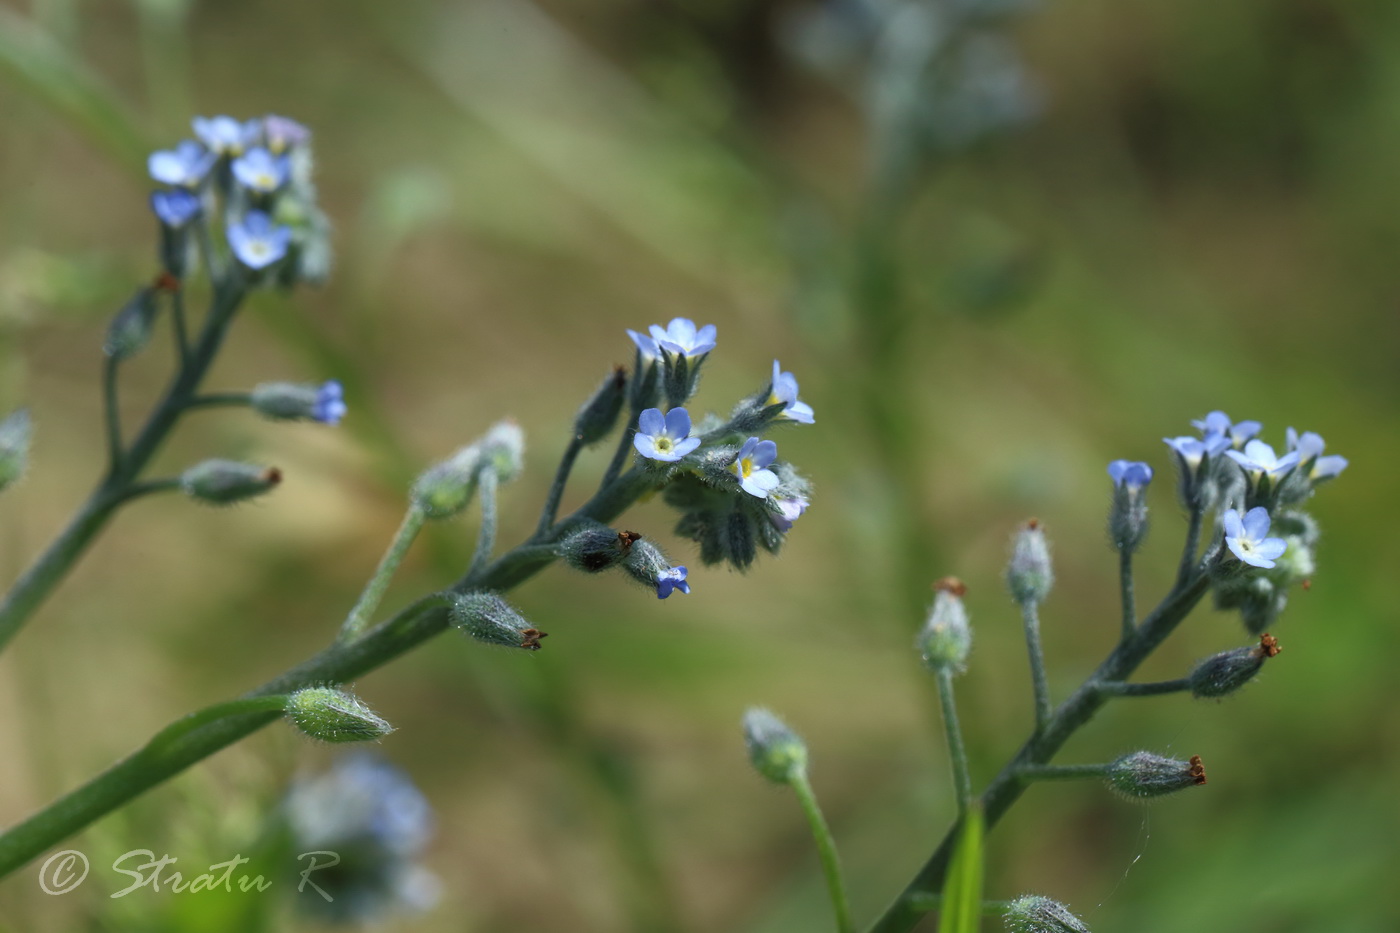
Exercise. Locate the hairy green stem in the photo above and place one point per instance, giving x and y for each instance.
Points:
(561, 479)
(1120, 689)
(486, 487)
(1125, 587)
(1035, 772)
(177, 316)
(373, 593)
(221, 400)
(624, 447)
(826, 850)
(957, 752)
(1030, 617)
(111, 414)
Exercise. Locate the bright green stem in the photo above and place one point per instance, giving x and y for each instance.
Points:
(1120, 689)
(170, 736)
(556, 491)
(931, 902)
(221, 400)
(486, 534)
(1125, 586)
(826, 849)
(1030, 616)
(957, 753)
(337, 664)
(373, 593)
(1060, 772)
(39, 580)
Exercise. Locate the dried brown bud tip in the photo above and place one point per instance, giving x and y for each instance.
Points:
(1269, 645)
(950, 585)
(1198, 770)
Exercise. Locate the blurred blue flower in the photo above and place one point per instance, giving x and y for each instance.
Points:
(1259, 457)
(672, 579)
(261, 171)
(225, 135)
(680, 336)
(666, 439)
(1309, 447)
(176, 207)
(283, 133)
(749, 465)
(647, 345)
(1131, 473)
(185, 165)
(257, 241)
(1190, 449)
(1217, 425)
(784, 390)
(1248, 538)
(790, 509)
(330, 406)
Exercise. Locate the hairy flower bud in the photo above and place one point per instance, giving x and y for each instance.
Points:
(599, 414)
(1029, 573)
(1228, 671)
(645, 563)
(503, 450)
(1143, 774)
(1127, 517)
(486, 617)
(775, 750)
(297, 401)
(946, 639)
(446, 488)
(131, 327)
(222, 482)
(15, 434)
(1035, 914)
(596, 548)
(332, 715)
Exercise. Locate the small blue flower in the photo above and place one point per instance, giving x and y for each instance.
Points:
(225, 135)
(176, 207)
(1191, 450)
(790, 509)
(185, 165)
(749, 465)
(672, 579)
(1259, 458)
(1248, 538)
(784, 390)
(680, 336)
(283, 133)
(647, 345)
(329, 407)
(1217, 425)
(256, 241)
(666, 439)
(261, 171)
(1133, 474)
(1309, 447)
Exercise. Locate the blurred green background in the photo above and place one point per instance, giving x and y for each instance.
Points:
(1204, 213)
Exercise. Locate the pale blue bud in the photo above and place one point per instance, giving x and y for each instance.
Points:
(1029, 574)
(775, 750)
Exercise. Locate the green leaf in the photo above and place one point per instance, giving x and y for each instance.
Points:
(962, 889)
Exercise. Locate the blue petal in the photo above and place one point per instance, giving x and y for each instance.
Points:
(678, 423)
(651, 422)
(686, 446)
(1234, 528)
(764, 453)
(1328, 467)
(646, 446)
(760, 483)
(1256, 523)
(1270, 548)
(747, 449)
(1116, 470)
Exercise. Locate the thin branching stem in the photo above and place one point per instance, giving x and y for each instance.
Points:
(1060, 772)
(111, 412)
(826, 851)
(1030, 617)
(177, 317)
(957, 752)
(486, 534)
(373, 593)
(556, 489)
(1125, 586)
(1120, 689)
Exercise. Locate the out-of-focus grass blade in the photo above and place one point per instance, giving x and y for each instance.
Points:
(962, 889)
(51, 74)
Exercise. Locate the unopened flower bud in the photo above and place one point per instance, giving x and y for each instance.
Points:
(15, 433)
(332, 715)
(596, 548)
(1036, 914)
(486, 617)
(775, 750)
(446, 488)
(645, 563)
(1029, 573)
(1127, 517)
(131, 327)
(946, 639)
(295, 401)
(503, 450)
(222, 482)
(599, 414)
(1143, 774)
(1228, 671)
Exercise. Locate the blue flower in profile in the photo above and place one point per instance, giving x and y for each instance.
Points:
(1191, 450)
(681, 337)
(184, 166)
(647, 345)
(790, 509)
(784, 390)
(261, 171)
(283, 133)
(1217, 425)
(1309, 447)
(176, 207)
(672, 579)
(225, 135)
(749, 467)
(1259, 458)
(1247, 538)
(1133, 474)
(257, 241)
(666, 439)
(329, 406)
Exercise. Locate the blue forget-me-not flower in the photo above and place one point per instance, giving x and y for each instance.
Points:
(1247, 538)
(176, 207)
(749, 466)
(790, 509)
(1259, 458)
(330, 406)
(647, 345)
(283, 133)
(1309, 447)
(784, 390)
(1192, 450)
(672, 579)
(682, 337)
(666, 439)
(261, 171)
(225, 135)
(257, 241)
(184, 166)
(1217, 426)
(1132, 474)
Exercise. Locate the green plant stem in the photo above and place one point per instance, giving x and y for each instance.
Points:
(1004, 790)
(1193, 543)
(171, 735)
(221, 400)
(1125, 587)
(337, 664)
(1060, 772)
(957, 753)
(149, 487)
(826, 849)
(1120, 689)
(561, 479)
(111, 414)
(486, 487)
(1030, 617)
(624, 446)
(931, 902)
(34, 586)
(181, 326)
(373, 593)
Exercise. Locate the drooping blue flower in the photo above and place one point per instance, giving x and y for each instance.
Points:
(225, 135)
(1134, 474)
(184, 166)
(175, 207)
(664, 438)
(672, 579)
(1217, 425)
(261, 171)
(1191, 450)
(790, 509)
(784, 390)
(283, 133)
(681, 337)
(647, 345)
(1259, 458)
(330, 406)
(1247, 538)
(749, 465)
(257, 241)
(1309, 447)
